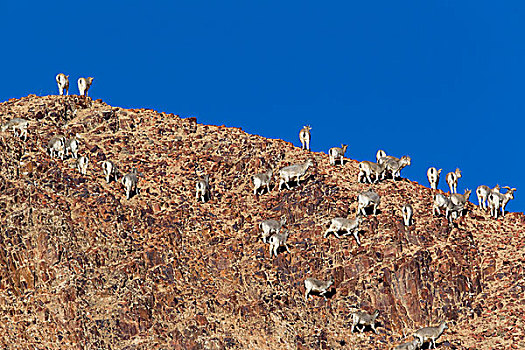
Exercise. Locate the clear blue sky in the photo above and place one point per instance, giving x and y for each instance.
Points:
(441, 81)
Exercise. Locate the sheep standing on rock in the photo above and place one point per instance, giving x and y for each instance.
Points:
(130, 181)
(110, 170)
(278, 240)
(482, 192)
(304, 136)
(84, 84)
(82, 164)
(314, 285)
(452, 180)
(262, 180)
(271, 226)
(433, 177)
(349, 226)
(293, 172)
(203, 189)
(63, 83)
(407, 214)
(71, 146)
(430, 334)
(337, 153)
(19, 124)
(368, 169)
(368, 199)
(57, 146)
(364, 319)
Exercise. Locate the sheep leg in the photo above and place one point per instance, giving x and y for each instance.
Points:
(373, 325)
(287, 249)
(357, 238)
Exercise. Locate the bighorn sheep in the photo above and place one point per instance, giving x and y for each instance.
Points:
(84, 84)
(130, 182)
(394, 165)
(452, 211)
(452, 180)
(295, 171)
(411, 345)
(57, 146)
(457, 198)
(367, 168)
(482, 192)
(203, 189)
(19, 124)
(71, 145)
(304, 136)
(349, 226)
(336, 153)
(271, 226)
(430, 334)
(364, 319)
(498, 200)
(278, 240)
(262, 180)
(63, 83)
(314, 285)
(82, 164)
(110, 170)
(433, 177)
(368, 199)
(407, 214)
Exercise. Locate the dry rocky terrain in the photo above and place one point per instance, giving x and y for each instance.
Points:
(82, 267)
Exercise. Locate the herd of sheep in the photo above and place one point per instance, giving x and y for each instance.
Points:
(272, 230)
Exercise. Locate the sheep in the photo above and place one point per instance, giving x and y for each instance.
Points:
(57, 146)
(110, 170)
(314, 285)
(82, 164)
(19, 124)
(430, 334)
(498, 200)
(84, 84)
(343, 224)
(453, 211)
(368, 199)
(203, 189)
(271, 226)
(295, 171)
(63, 83)
(304, 136)
(442, 202)
(456, 198)
(411, 345)
(337, 153)
(278, 240)
(71, 145)
(262, 180)
(129, 181)
(394, 165)
(380, 154)
(433, 177)
(407, 214)
(452, 180)
(482, 192)
(364, 319)
(367, 168)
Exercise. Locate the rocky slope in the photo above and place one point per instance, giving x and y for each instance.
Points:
(82, 267)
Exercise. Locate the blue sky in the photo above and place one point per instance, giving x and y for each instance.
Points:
(441, 81)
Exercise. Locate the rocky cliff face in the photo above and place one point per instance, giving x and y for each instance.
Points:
(83, 267)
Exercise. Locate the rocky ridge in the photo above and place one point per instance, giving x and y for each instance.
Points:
(83, 267)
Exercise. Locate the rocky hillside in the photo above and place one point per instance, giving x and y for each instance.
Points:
(82, 267)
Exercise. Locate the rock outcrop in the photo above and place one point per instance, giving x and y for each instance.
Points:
(83, 267)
